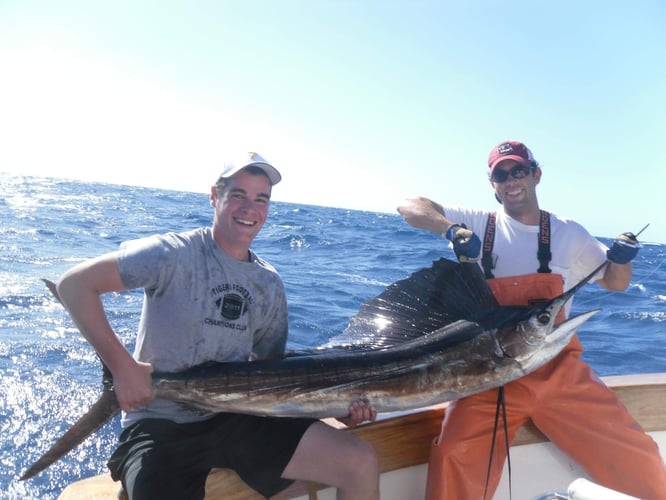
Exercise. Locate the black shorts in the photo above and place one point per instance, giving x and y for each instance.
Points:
(158, 458)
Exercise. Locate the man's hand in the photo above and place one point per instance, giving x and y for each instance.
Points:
(466, 244)
(624, 249)
(359, 411)
(133, 386)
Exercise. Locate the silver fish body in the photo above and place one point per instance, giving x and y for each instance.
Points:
(432, 369)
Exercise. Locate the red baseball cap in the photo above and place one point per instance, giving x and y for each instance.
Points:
(510, 150)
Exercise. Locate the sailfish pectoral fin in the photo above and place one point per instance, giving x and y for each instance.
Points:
(101, 412)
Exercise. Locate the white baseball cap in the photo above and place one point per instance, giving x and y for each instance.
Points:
(250, 159)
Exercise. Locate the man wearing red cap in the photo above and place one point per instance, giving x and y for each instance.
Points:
(529, 255)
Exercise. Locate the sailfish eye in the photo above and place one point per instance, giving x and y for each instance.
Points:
(543, 317)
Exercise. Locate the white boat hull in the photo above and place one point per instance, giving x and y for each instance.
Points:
(536, 469)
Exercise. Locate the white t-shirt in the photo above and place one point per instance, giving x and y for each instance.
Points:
(200, 305)
(575, 253)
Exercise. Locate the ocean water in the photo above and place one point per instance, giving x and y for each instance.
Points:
(330, 259)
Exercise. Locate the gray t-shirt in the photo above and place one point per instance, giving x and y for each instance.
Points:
(200, 305)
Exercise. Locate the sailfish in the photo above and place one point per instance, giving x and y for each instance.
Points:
(435, 336)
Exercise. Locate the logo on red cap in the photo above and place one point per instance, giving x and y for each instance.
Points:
(513, 150)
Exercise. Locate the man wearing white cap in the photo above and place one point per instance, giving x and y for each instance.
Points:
(529, 255)
(209, 297)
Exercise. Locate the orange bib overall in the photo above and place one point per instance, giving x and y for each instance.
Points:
(565, 400)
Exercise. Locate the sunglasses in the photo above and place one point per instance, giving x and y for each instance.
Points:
(517, 172)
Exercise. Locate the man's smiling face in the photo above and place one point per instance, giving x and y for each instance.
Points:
(241, 208)
(517, 188)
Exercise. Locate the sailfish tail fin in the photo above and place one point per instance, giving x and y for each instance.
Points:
(101, 412)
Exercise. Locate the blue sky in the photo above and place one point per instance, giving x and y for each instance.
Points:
(358, 103)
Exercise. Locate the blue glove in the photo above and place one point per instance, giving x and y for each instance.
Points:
(624, 249)
(466, 244)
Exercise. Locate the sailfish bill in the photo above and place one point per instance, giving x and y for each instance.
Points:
(435, 336)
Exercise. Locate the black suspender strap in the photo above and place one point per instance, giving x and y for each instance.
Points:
(501, 405)
(488, 242)
(544, 255)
